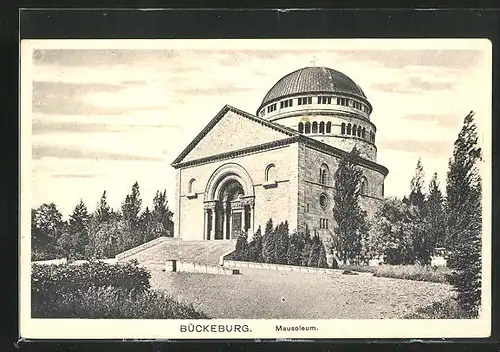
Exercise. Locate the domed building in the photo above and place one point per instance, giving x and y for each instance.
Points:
(243, 169)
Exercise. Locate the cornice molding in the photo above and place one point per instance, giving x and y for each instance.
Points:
(239, 152)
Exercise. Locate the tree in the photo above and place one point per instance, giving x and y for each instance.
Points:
(314, 252)
(255, 250)
(304, 246)
(102, 213)
(109, 239)
(147, 226)
(162, 216)
(464, 225)
(268, 243)
(417, 196)
(281, 243)
(241, 251)
(48, 220)
(435, 215)
(351, 225)
(395, 229)
(76, 239)
(130, 213)
(294, 248)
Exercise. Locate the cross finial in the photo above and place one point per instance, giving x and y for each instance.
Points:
(313, 61)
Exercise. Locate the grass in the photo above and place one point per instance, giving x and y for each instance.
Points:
(445, 309)
(406, 272)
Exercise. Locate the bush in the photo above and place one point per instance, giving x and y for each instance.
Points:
(113, 303)
(53, 280)
(447, 309)
(406, 272)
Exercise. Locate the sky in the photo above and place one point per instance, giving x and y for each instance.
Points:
(104, 116)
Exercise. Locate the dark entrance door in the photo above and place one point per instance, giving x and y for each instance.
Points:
(236, 225)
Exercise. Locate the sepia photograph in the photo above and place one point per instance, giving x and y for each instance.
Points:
(255, 188)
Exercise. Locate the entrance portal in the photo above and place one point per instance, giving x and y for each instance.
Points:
(230, 214)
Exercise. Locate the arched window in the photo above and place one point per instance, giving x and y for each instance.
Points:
(364, 133)
(191, 185)
(270, 172)
(307, 128)
(342, 128)
(363, 185)
(315, 127)
(301, 127)
(321, 127)
(348, 128)
(324, 174)
(328, 127)
(359, 131)
(354, 130)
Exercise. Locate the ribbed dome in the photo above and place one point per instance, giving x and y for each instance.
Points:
(313, 80)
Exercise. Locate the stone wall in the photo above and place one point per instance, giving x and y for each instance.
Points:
(309, 209)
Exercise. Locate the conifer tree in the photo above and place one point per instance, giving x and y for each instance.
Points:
(304, 246)
(130, 213)
(282, 242)
(147, 226)
(241, 251)
(102, 213)
(161, 215)
(314, 252)
(268, 242)
(351, 225)
(74, 241)
(293, 252)
(464, 225)
(255, 250)
(417, 196)
(435, 215)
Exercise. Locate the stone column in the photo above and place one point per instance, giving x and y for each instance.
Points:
(213, 224)
(226, 218)
(251, 229)
(205, 224)
(209, 207)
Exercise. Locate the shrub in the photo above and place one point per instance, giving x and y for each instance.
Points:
(63, 279)
(413, 272)
(406, 272)
(241, 251)
(322, 263)
(113, 303)
(255, 250)
(446, 309)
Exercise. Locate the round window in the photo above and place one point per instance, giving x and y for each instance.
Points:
(323, 200)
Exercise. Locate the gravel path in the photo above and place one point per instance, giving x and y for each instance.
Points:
(266, 294)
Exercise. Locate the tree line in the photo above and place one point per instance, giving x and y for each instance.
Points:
(409, 230)
(279, 246)
(102, 233)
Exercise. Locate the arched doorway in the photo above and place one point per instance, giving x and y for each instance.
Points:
(229, 204)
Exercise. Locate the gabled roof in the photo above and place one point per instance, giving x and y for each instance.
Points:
(283, 129)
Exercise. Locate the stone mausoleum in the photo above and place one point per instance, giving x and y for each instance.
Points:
(243, 169)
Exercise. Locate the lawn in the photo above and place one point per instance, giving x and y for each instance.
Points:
(267, 294)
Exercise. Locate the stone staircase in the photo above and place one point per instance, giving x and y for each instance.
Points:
(197, 252)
